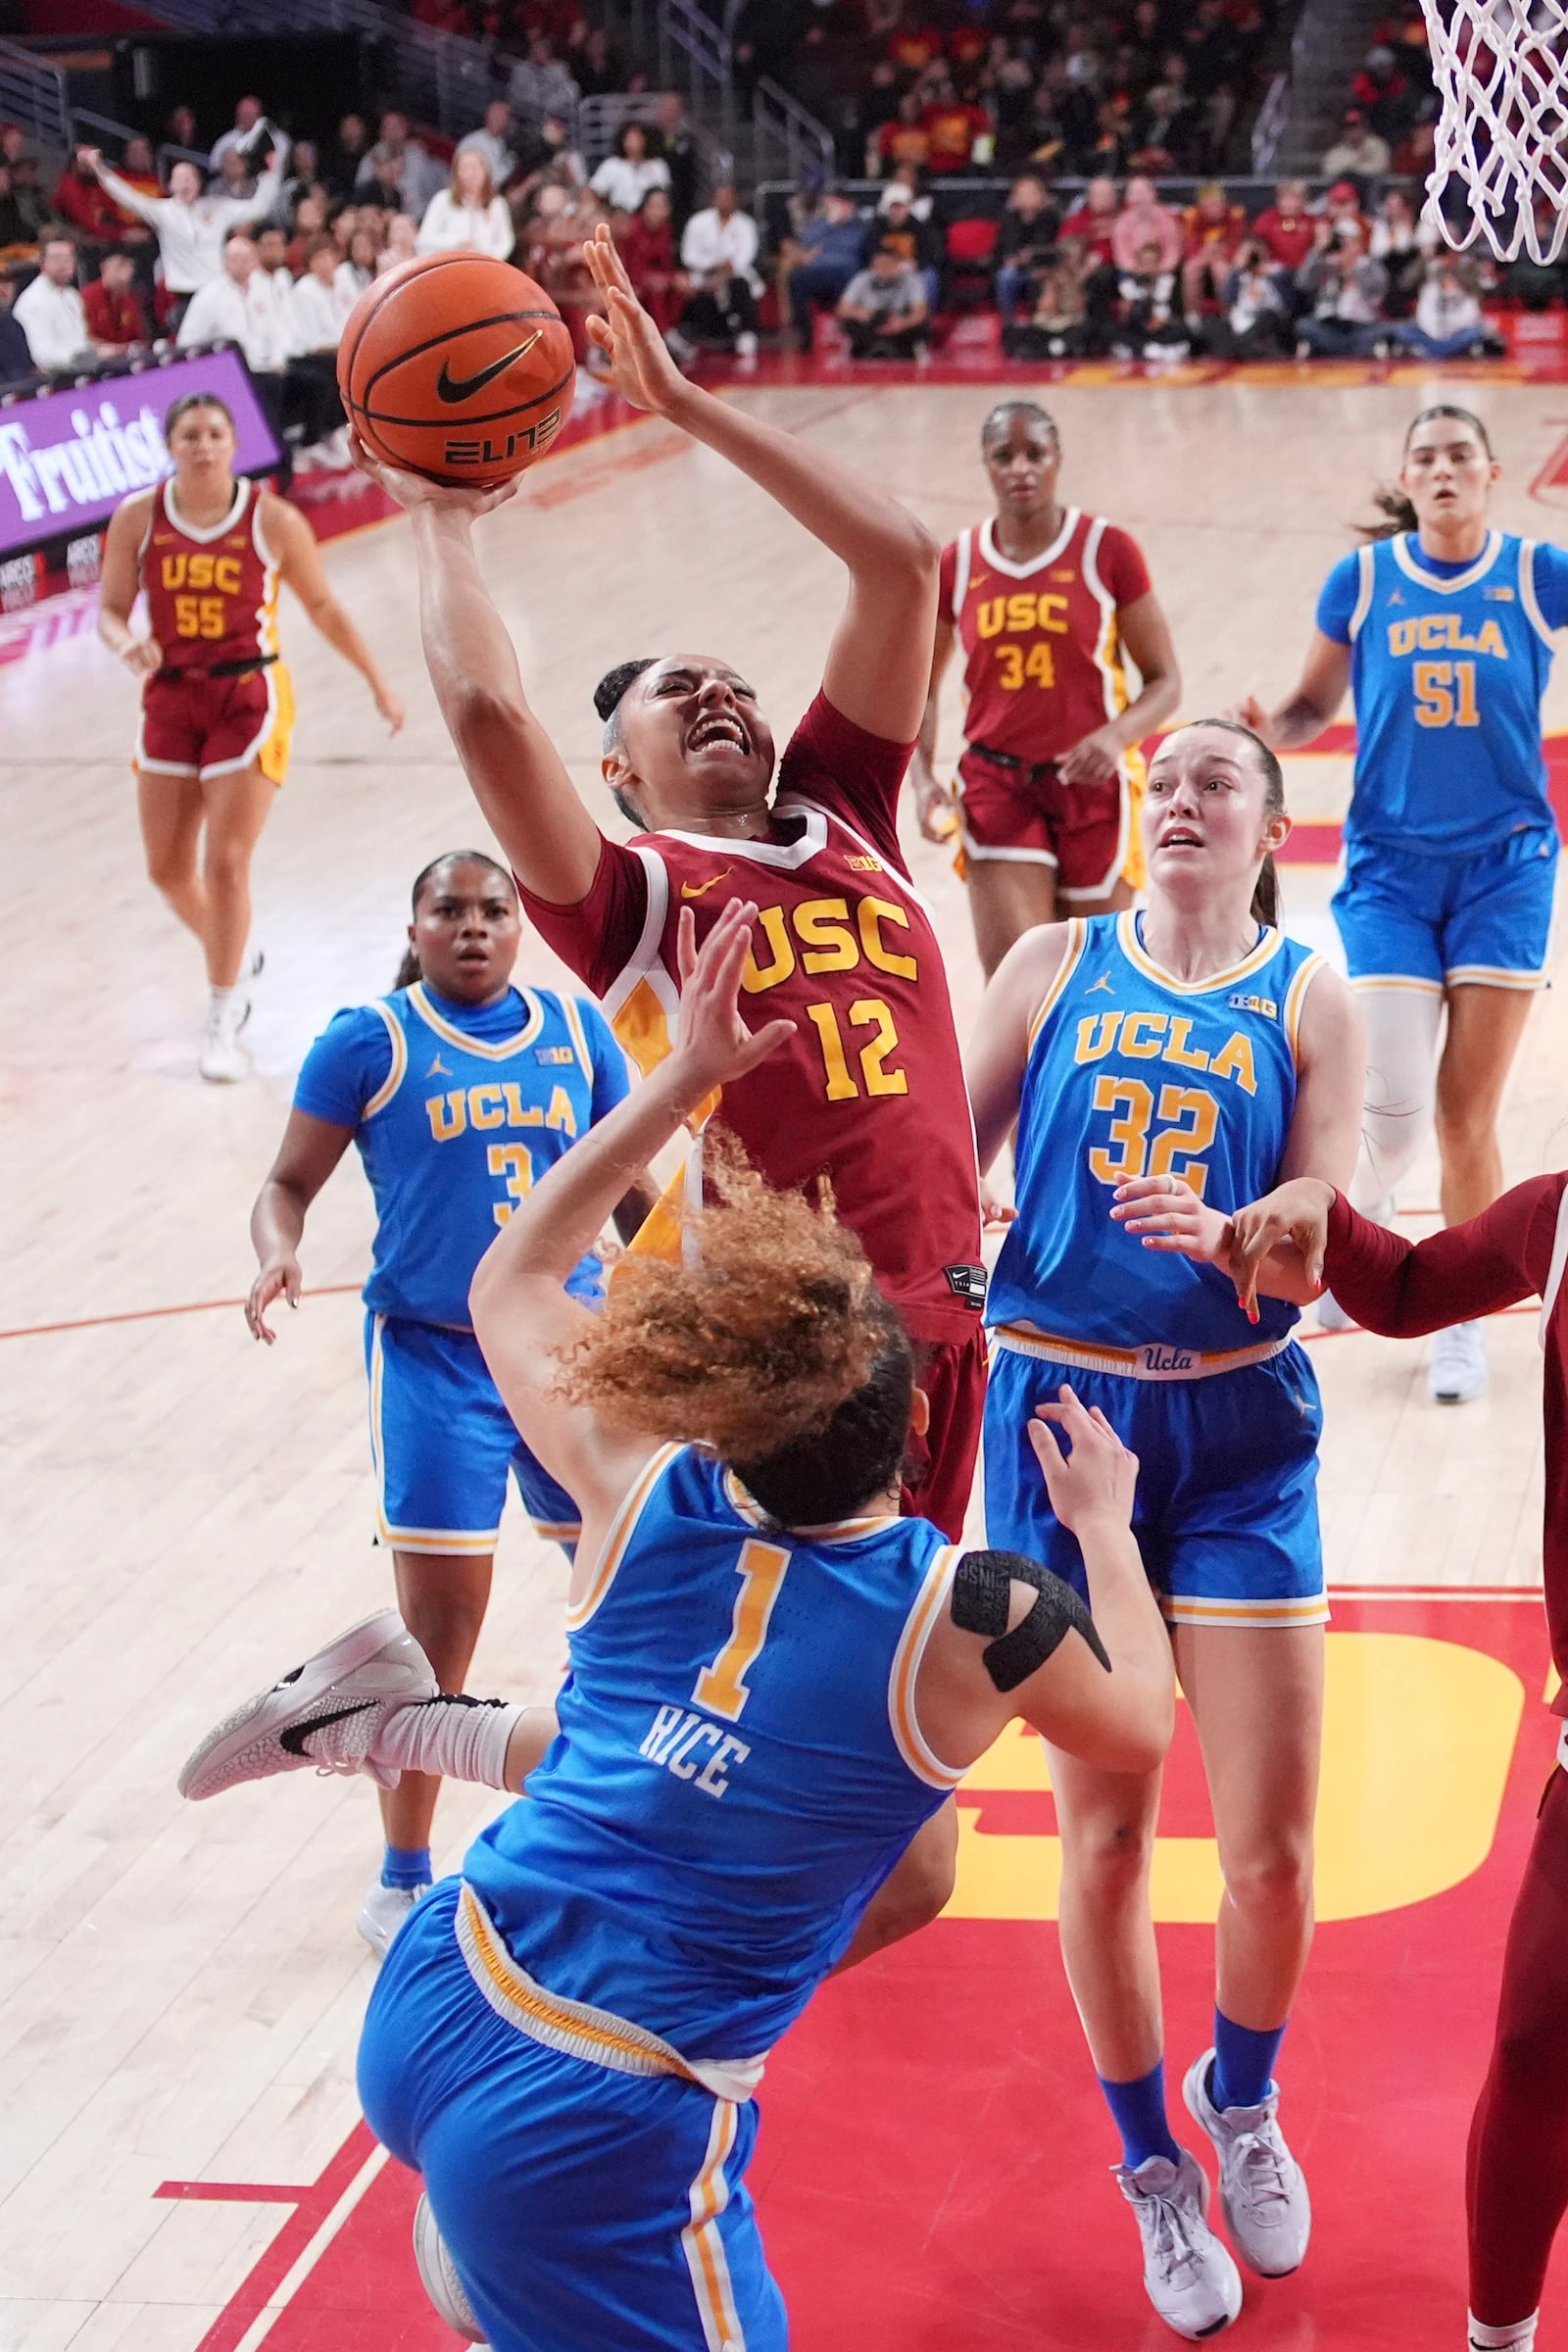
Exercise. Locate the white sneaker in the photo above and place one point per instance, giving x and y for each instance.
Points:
(324, 1713)
(384, 1913)
(441, 2282)
(1262, 2190)
(1456, 1373)
(1519, 2339)
(1191, 2279)
(224, 1061)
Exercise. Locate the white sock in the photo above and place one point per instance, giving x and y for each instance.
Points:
(1520, 2337)
(459, 1737)
(219, 1000)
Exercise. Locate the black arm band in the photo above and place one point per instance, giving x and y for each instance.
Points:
(982, 1601)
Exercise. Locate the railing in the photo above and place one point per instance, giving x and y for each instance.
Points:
(448, 79)
(33, 94)
(784, 128)
(601, 121)
(1270, 128)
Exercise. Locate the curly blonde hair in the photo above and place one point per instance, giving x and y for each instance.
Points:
(774, 1346)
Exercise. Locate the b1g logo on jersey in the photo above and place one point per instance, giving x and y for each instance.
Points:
(1264, 1005)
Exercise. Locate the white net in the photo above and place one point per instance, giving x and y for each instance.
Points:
(1502, 165)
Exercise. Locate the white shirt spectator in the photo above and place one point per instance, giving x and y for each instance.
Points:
(251, 315)
(191, 237)
(623, 184)
(711, 243)
(1443, 307)
(448, 226)
(318, 312)
(55, 323)
(498, 160)
(349, 283)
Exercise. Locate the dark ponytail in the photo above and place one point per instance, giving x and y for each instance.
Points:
(1392, 505)
(408, 970)
(1265, 907)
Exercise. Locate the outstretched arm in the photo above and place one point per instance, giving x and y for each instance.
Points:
(1324, 683)
(522, 1315)
(878, 667)
(301, 567)
(519, 777)
(308, 1152)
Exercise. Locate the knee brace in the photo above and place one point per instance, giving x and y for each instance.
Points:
(1402, 1027)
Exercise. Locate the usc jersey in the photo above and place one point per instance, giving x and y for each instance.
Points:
(1043, 655)
(870, 1091)
(212, 595)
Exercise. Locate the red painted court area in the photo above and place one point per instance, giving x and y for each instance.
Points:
(932, 2166)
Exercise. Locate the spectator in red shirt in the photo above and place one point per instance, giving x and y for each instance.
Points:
(1286, 227)
(1213, 228)
(89, 208)
(953, 129)
(903, 141)
(116, 320)
(660, 285)
(1383, 94)
(1094, 222)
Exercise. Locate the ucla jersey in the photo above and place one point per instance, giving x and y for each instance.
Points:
(1132, 1073)
(1448, 674)
(459, 1131)
(739, 1765)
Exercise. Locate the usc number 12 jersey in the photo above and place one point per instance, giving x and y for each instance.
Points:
(1042, 644)
(212, 595)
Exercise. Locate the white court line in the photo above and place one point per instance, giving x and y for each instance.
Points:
(265, 2320)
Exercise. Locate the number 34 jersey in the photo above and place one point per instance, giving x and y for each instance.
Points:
(1133, 1073)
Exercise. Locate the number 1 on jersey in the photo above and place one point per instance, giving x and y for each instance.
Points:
(721, 1686)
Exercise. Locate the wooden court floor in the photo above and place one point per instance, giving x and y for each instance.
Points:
(180, 1986)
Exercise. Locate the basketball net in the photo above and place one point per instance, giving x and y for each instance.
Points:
(1501, 166)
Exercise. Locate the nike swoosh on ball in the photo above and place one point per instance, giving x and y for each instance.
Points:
(445, 389)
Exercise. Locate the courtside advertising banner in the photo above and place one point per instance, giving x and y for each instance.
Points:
(68, 458)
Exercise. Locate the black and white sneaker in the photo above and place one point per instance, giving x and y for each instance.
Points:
(324, 1715)
(441, 2282)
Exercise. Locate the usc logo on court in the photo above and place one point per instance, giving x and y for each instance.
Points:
(222, 572)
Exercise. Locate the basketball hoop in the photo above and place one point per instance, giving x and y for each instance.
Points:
(1500, 171)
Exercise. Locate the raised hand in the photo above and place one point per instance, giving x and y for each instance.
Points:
(641, 369)
(1099, 1478)
(713, 1045)
(412, 490)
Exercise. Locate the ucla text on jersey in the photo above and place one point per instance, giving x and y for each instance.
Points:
(1131, 1072)
(1447, 674)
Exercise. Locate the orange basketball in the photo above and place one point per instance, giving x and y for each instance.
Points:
(458, 367)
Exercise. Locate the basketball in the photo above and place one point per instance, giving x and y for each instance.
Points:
(457, 366)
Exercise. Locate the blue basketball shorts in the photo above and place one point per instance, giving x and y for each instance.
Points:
(585, 2210)
(442, 1443)
(1442, 922)
(1226, 1511)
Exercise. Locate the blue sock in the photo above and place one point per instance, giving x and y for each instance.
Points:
(1244, 2063)
(1139, 2112)
(405, 1866)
